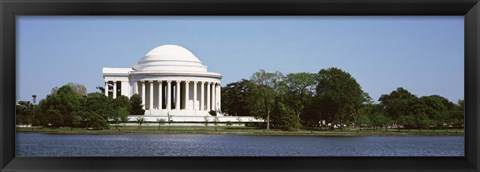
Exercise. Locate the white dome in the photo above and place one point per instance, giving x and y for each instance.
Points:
(170, 58)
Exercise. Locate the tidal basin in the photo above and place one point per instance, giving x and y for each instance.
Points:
(133, 145)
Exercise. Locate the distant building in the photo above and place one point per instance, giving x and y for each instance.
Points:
(170, 79)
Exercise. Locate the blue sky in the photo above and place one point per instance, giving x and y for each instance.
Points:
(424, 54)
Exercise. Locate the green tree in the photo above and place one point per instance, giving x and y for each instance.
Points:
(169, 120)
(120, 115)
(215, 122)
(136, 105)
(262, 103)
(101, 89)
(212, 112)
(457, 115)
(59, 108)
(437, 109)
(339, 96)
(140, 121)
(299, 90)
(121, 109)
(160, 122)
(76, 87)
(285, 117)
(407, 121)
(99, 109)
(95, 121)
(378, 117)
(122, 102)
(311, 116)
(24, 112)
(364, 116)
(264, 93)
(235, 97)
(398, 103)
(205, 120)
(269, 79)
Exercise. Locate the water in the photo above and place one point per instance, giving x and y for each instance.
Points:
(34, 144)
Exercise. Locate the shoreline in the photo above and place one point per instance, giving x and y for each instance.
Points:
(223, 131)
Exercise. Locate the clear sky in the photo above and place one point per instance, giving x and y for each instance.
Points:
(424, 54)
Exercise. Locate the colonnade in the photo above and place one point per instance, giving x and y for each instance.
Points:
(175, 94)
(117, 85)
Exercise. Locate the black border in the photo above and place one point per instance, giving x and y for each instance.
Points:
(10, 8)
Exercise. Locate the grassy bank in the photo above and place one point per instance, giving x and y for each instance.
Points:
(243, 131)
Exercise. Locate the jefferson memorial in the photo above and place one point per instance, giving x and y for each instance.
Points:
(171, 81)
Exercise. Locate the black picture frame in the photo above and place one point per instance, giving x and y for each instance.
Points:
(9, 9)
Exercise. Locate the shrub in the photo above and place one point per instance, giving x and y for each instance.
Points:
(213, 113)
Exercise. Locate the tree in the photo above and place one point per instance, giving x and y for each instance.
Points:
(121, 106)
(169, 120)
(363, 117)
(338, 97)
(100, 122)
(160, 122)
(457, 116)
(140, 121)
(76, 87)
(101, 89)
(397, 103)
(205, 120)
(122, 102)
(212, 112)
(24, 112)
(136, 105)
(407, 121)
(235, 97)
(378, 117)
(311, 116)
(299, 90)
(82, 119)
(437, 109)
(269, 79)
(262, 104)
(59, 108)
(99, 109)
(120, 115)
(264, 93)
(285, 117)
(215, 122)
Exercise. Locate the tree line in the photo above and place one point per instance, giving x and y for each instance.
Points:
(332, 98)
(71, 106)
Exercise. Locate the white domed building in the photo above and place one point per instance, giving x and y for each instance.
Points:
(171, 80)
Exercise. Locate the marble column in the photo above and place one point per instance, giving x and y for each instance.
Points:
(106, 88)
(114, 89)
(143, 93)
(208, 96)
(135, 87)
(186, 94)
(202, 96)
(214, 96)
(169, 95)
(219, 107)
(177, 95)
(124, 88)
(151, 95)
(160, 95)
(195, 95)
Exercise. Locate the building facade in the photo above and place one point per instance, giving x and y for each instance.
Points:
(171, 80)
